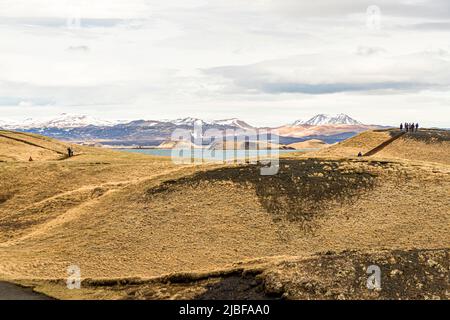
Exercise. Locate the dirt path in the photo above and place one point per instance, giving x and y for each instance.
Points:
(74, 212)
(10, 291)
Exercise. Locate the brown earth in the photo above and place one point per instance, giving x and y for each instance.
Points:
(424, 145)
(119, 215)
(309, 144)
(429, 145)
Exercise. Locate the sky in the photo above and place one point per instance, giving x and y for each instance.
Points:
(268, 62)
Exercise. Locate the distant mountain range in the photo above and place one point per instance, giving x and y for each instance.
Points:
(229, 123)
(63, 121)
(82, 128)
(325, 119)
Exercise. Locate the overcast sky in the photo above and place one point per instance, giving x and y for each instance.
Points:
(269, 62)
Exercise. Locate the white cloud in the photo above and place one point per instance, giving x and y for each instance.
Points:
(334, 72)
(147, 58)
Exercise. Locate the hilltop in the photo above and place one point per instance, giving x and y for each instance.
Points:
(432, 145)
(119, 216)
(309, 144)
(20, 146)
(17, 146)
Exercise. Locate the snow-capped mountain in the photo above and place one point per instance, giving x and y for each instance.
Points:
(63, 121)
(74, 121)
(326, 119)
(324, 125)
(330, 128)
(233, 122)
(187, 122)
(5, 124)
(9, 124)
(70, 121)
(298, 123)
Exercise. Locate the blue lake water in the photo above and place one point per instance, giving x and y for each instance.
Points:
(217, 155)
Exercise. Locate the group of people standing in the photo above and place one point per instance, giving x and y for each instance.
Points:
(409, 127)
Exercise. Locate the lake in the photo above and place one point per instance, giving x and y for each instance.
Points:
(216, 155)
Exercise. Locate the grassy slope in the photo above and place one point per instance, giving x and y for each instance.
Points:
(362, 142)
(309, 144)
(114, 215)
(425, 145)
(428, 145)
(200, 224)
(20, 147)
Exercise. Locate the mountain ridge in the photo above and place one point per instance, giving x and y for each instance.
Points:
(81, 128)
(65, 120)
(327, 119)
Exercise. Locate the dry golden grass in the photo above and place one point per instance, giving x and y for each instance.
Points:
(362, 142)
(208, 224)
(120, 215)
(309, 144)
(405, 274)
(14, 150)
(414, 146)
